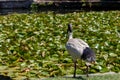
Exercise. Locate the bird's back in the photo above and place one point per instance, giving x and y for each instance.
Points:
(75, 47)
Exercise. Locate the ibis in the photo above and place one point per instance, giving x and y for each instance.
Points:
(78, 49)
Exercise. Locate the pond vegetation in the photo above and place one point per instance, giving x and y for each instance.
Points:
(33, 45)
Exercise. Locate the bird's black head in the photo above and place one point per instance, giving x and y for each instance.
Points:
(69, 28)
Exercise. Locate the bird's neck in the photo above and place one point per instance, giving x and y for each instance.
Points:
(70, 35)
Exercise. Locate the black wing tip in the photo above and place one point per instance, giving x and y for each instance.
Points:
(88, 52)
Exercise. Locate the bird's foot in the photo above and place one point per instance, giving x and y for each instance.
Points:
(74, 76)
(87, 75)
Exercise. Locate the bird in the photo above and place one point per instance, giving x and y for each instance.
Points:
(79, 49)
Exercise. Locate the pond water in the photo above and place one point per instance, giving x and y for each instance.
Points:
(55, 10)
(9, 11)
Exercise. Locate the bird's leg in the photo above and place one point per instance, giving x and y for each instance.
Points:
(87, 71)
(74, 69)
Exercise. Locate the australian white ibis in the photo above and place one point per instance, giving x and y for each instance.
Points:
(79, 49)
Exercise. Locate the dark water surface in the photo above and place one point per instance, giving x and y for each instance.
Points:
(60, 9)
(10, 11)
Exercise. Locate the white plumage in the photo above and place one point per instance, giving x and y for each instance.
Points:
(79, 49)
(75, 48)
